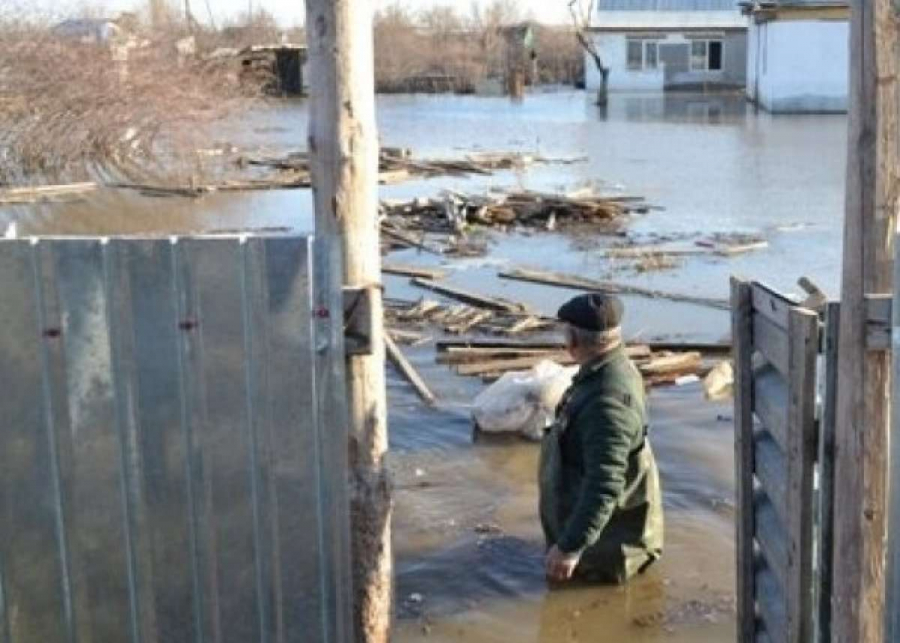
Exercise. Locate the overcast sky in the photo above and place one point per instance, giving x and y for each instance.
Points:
(290, 12)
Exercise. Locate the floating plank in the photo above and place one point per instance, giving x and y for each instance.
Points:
(31, 194)
(772, 342)
(678, 363)
(771, 470)
(407, 370)
(582, 283)
(519, 364)
(408, 240)
(770, 395)
(413, 271)
(471, 298)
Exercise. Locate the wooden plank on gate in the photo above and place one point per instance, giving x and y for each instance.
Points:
(771, 536)
(825, 549)
(742, 348)
(770, 598)
(771, 305)
(771, 471)
(771, 341)
(770, 400)
(804, 344)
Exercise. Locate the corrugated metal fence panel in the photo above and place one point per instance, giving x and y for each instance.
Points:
(166, 474)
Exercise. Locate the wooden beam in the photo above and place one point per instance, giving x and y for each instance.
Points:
(413, 271)
(803, 328)
(471, 298)
(577, 282)
(408, 371)
(863, 376)
(343, 144)
(742, 338)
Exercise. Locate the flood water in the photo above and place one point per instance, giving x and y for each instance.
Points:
(469, 555)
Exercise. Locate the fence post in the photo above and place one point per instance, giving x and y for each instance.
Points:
(892, 582)
(343, 148)
(742, 353)
(863, 375)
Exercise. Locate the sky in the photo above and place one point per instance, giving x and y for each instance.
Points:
(290, 12)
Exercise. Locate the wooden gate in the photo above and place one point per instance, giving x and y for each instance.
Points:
(776, 346)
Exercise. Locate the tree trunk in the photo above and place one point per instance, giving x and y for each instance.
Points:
(343, 148)
(603, 92)
(863, 376)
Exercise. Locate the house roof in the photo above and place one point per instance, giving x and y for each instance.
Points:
(669, 20)
(667, 5)
(771, 7)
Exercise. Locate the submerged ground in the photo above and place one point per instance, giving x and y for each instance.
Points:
(466, 533)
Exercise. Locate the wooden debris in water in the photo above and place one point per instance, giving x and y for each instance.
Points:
(397, 165)
(461, 319)
(582, 283)
(37, 193)
(658, 368)
(408, 371)
(413, 271)
(454, 212)
(468, 297)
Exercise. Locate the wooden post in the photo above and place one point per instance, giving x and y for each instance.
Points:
(742, 347)
(863, 375)
(343, 146)
(892, 589)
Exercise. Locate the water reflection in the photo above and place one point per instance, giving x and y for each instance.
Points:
(697, 109)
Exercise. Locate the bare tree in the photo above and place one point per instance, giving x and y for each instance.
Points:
(582, 12)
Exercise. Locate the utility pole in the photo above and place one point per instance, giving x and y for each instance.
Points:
(343, 146)
(863, 396)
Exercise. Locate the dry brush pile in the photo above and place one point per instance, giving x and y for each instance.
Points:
(71, 107)
(442, 49)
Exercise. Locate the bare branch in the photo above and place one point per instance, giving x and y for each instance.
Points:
(582, 16)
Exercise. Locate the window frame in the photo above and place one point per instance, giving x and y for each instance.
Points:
(630, 64)
(645, 44)
(706, 43)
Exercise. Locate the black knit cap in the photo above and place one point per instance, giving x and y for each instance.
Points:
(594, 311)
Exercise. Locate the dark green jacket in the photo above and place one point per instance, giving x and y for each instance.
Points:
(599, 483)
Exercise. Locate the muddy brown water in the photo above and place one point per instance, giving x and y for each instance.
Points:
(469, 556)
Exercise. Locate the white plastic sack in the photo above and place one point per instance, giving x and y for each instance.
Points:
(523, 402)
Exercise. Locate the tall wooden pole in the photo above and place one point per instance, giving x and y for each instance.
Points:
(343, 146)
(864, 376)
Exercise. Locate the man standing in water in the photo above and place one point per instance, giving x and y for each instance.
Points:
(600, 500)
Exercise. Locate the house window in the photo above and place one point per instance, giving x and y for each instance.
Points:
(714, 51)
(643, 54)
(651, 54)
(706, 55)
(635, 55)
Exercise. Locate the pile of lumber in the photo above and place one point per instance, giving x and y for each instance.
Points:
(489, 360)
(453, 212)
(397, 165)
(500, 318)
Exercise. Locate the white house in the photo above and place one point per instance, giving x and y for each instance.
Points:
(653, 45)
(798, 58)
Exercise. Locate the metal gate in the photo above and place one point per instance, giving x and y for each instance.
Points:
(167, 469)
(776, 347)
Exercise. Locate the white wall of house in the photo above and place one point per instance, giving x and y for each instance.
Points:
(799, 66)
(613, 48)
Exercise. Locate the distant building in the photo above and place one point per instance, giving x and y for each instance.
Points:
(798, 55)
(89, 31)
(655, 45)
